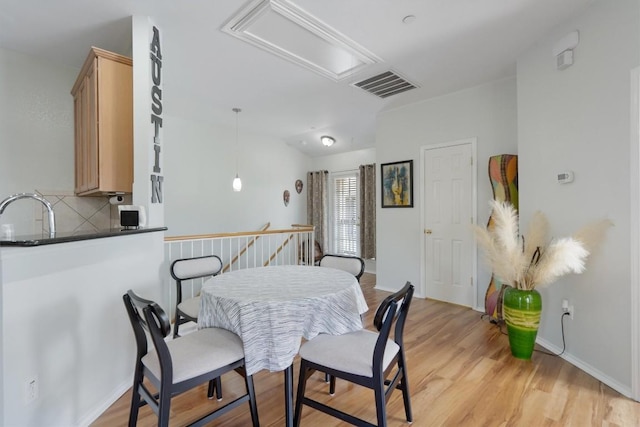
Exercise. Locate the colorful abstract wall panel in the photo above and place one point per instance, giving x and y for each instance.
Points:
(503, 175)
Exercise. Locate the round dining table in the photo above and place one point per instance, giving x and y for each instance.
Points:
(272, 308)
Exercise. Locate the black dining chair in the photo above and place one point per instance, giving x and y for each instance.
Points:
(181, 364)
(350, 264)
(317, 253)
(188, 269)
(367, 358)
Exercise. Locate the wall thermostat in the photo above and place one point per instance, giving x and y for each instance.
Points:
(565, 177)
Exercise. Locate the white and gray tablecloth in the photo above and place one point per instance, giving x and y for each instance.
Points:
(272, 308)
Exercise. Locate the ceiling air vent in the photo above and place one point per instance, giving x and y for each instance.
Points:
(385, 84)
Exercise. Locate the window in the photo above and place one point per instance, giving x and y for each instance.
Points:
(345, 215)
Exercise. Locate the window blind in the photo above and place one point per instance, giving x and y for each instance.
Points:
(345, 215)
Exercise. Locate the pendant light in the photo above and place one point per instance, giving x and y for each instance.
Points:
(237, 183)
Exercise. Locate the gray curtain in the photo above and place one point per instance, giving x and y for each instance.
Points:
(317, 184)
(368, 211)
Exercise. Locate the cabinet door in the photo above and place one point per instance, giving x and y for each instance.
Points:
(86, 133)
(115, 130)
(103, 104)
(80, 132)
(91, 146)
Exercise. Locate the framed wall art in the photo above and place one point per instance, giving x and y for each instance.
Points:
(397, 184)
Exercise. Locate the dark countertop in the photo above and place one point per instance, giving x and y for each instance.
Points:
(62, 237)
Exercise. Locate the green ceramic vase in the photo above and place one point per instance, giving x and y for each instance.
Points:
(521, 311)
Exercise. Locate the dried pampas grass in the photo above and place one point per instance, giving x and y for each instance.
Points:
(527, 262)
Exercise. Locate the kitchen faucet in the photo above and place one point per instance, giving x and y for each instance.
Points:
(52, 220)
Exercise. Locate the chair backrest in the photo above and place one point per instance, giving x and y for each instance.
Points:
(147, 315)
(194, 268)
(392, 310)
(350, 264)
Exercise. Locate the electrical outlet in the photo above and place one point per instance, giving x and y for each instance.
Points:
(31, 389)
(567, 308)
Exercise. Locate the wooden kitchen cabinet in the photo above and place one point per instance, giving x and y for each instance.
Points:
(103, 129)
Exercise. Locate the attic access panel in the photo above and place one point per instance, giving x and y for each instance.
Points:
(285, 30)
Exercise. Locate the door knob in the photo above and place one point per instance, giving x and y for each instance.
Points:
(427, 231)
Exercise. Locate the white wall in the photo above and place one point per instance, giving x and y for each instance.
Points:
(487, 112)
(36, 131)
(344, 161)
(579, 120)
(64, 324)
(199, 167)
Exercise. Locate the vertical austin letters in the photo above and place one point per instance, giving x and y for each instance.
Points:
(156, 115)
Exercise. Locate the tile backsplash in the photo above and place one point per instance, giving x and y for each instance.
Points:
(74, 213)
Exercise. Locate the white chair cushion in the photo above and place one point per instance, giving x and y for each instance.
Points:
(350, 265)
(198, 353)
(190, 307)
(351, 352)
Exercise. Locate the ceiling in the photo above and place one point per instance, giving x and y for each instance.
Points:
(449, 46)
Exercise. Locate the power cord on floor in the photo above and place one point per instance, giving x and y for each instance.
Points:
(499, 323)
(564, 344)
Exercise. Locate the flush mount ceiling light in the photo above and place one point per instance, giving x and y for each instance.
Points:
(327, 141)
(237, 182)
(282, 28)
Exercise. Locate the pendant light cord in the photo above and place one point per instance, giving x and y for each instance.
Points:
(237, 110)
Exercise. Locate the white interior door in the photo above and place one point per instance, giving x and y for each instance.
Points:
(448, 213)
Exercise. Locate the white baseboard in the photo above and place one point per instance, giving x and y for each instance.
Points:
(89, 418)
(380, 288)
(580, 364)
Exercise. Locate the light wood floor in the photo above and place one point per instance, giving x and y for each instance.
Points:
(461, 373)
